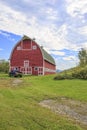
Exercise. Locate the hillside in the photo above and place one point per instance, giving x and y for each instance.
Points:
(79, 72)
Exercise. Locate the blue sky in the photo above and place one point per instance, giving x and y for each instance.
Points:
(60, 26)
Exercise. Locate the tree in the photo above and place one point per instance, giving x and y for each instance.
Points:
(4, 66)
(82, 55)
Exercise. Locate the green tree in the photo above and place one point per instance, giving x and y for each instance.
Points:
(4, 66)
(82, 55)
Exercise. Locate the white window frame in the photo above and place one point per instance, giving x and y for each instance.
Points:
(19, 48)
(34, 47)
(26, 65)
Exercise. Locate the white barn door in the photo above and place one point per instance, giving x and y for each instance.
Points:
(27, 69)
(40, 70)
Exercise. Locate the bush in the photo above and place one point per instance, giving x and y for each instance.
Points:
(63, 76)
(77, 74)
(59, 77)
(82, 74)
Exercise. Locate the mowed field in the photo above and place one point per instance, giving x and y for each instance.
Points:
(20, 103)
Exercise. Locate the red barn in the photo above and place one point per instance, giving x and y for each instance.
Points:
(28, 57)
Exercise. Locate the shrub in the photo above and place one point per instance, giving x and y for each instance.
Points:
(59, 77)
(82, 74)
(75, 73)
(63, 76)
(78, 74)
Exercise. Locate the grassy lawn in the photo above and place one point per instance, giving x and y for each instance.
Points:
(19, 103)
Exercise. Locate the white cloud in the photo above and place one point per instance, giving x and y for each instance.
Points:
(50, 13)
(59, 53)
(74, 7)
(70, 58)
(54, 38)
(83, 30)
(51, 36)
(11, 20)
(84, 45)
(64, 64)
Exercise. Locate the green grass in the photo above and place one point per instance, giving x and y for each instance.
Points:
(19, 108)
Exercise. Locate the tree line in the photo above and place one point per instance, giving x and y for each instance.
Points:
(4, 66)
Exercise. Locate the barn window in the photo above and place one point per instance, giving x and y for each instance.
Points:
(36, 68)
(34, 47)
(19, 48)
(26, 63)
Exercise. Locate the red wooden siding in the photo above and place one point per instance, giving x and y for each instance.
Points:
(49, 68)
(27, 44)
(19, 56)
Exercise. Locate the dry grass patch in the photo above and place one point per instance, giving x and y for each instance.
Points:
(68, 107)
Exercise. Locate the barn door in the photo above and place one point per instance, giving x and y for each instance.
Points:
(26, 63)
(26, 66)
(40, 71)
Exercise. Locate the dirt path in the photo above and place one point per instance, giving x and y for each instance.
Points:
(73, 109)
(16, 82)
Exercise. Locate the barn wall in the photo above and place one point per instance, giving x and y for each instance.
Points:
(49, 68)
(27, 51)
(34, 56)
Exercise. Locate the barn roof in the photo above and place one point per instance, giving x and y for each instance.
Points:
(25, 37)
(46, 56)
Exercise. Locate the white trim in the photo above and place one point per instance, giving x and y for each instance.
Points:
(19, 48)
(43, 70)
(26, 63)
(34, 47)
(49, 70)
(26, 71)
(40, 72)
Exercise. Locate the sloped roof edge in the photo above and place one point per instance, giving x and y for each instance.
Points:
(47, 56)
(25, 37)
